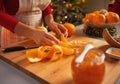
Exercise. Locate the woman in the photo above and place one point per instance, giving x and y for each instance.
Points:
(21, 17)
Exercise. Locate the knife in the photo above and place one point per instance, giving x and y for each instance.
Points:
(17, 48)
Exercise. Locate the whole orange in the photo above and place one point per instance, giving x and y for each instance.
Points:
(71, 28)
(112, 17)
(99, 19)
(89, 17)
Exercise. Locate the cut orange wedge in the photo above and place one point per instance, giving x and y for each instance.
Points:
(32, 55)
(64, 41)
(43, 50)
(62, 38)
(67, 51)
(53, 53)
(58, 53)
(42, 28)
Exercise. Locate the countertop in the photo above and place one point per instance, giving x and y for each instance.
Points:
(11, 75)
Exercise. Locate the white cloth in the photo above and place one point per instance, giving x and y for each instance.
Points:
(30, 11)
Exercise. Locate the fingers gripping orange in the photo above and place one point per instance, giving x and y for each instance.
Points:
(53, 53)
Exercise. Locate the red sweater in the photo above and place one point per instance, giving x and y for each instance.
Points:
(115, 7)
(9, 8)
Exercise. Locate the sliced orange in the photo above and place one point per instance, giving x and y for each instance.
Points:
(62, 38)
(58, 52)
(32, 55)
(53, 53)
(41, 28)
(67, 51)
(64, 42)
(42, 51)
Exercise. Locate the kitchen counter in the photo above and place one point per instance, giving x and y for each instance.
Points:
(11, 75)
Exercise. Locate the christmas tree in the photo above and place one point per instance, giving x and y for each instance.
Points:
(68, 11)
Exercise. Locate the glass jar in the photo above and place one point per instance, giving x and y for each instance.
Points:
(91, 70)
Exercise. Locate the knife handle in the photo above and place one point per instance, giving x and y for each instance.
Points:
(10, 49)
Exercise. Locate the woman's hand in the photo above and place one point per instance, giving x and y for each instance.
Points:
(56, 27)
(44, 38)
(40, 37)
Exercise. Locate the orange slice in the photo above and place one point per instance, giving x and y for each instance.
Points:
(42, 51)
(32, 55)
(53, 53)
(67, 51)
(62, 38)
(41, 28)
(58, 52)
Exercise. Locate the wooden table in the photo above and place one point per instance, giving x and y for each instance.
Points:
(59, 72)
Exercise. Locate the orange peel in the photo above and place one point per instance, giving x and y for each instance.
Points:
(62, 38)
(58, 53)
(32, 55)
(43, 50)
(41, 28)
(67, 51)
(54, 52)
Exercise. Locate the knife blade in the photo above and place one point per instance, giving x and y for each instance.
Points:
(17, 48)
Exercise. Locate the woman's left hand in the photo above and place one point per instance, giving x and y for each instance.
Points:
(58, 29)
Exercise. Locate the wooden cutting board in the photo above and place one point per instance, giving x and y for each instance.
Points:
(59, 72)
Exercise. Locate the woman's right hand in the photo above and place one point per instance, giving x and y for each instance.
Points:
(44, 38)
(39, 36)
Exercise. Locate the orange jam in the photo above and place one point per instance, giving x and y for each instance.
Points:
(91, 70)
(115, 52)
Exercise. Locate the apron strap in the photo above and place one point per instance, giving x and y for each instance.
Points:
(43, 4)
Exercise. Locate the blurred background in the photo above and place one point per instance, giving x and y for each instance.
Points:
(73, 11)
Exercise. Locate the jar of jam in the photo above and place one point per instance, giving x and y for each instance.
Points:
(89, 70)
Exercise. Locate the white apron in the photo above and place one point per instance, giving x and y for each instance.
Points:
(30, 13)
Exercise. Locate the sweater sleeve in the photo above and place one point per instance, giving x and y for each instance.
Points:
(47, 11)
(115, 7)
(7, 20)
